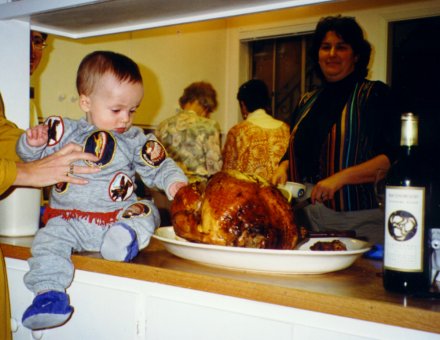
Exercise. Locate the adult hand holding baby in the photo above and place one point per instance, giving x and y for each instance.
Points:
(55, 168)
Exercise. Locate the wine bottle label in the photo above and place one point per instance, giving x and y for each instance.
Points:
(404, 228)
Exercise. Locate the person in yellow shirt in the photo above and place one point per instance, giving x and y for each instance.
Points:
(257, 144)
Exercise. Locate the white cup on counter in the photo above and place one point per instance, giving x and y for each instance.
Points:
(20, 212)
(292, 190)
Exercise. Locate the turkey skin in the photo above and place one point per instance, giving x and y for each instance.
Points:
(234, 209)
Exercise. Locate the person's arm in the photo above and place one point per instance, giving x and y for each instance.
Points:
(382, 110)
(361, 173)
(154, 167)
(280, 175)
(55, 168)
(8, 172)
(32, 144)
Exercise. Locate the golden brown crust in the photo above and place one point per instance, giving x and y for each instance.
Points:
(234, 210)
(185, 211)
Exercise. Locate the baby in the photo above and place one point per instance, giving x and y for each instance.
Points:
(104, 215)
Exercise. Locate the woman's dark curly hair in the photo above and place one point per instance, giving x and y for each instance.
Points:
(349, 30)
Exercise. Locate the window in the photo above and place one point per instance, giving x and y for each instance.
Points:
(283, 64)
(415, 74)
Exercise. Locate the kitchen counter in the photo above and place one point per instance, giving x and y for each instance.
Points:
(355, 292)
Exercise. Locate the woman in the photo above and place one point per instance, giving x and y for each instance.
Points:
(257, 144)
(342, 133)
(191, 137)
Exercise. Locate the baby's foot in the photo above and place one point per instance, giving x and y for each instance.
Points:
(49, 309)
(120, 243)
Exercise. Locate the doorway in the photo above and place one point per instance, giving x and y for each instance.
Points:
(415, 77)
(284, 65)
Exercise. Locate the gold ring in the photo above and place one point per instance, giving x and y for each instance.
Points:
(70, 169)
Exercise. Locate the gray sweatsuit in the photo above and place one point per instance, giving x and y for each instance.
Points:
(78, 216)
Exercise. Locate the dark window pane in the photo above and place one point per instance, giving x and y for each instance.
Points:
(415, 76)
(283, 64)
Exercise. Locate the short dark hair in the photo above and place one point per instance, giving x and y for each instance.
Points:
(98, 63)
(349, 30)
(43, 35)
(254, 94)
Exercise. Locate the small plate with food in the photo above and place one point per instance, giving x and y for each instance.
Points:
(302, 260)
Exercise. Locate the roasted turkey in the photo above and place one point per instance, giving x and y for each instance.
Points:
(234, 209)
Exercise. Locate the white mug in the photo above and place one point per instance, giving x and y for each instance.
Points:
(292, 190)
(20, 212)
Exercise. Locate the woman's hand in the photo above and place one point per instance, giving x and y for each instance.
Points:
(37, 136)
(56, 168)
(362, 173)
(325, 190)
(280, 175)
(175, 187)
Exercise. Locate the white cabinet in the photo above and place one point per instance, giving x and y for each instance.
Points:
(202, 320)
(105, 307)
(115, 308)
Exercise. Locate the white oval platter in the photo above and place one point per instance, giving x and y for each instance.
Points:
(300, 261)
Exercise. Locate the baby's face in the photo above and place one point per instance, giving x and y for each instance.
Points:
(112, 104)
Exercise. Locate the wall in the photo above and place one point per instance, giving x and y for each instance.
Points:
(14, 79)
(172, 57)
(169, 58)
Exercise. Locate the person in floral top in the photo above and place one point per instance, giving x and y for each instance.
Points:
(257, 144)
(191, 137)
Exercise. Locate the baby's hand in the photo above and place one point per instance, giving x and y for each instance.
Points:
(175, 187)
(37, 136)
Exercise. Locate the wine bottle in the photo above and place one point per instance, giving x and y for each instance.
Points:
(407, 192)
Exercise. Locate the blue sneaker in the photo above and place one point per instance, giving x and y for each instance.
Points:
(120, 243)
(49, 309)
